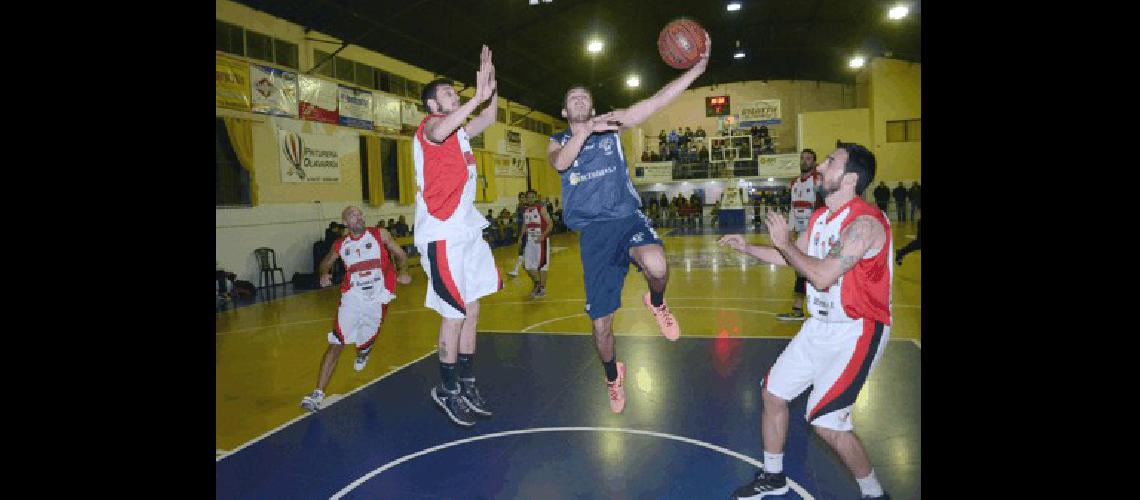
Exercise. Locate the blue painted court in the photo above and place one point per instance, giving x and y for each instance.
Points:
(690, 428)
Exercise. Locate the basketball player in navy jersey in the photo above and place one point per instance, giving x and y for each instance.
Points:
(602, 205)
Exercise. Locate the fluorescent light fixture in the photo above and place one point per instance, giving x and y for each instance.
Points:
(856, 62)
(733, 6)
(898, 12)
(738, 55)
(633, 81)
(533, 2)
(595, 46)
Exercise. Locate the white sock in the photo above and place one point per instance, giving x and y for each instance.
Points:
(869, 486)
(518, 263)
(773, 462)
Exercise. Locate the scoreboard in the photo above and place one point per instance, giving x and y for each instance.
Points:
(717, 105)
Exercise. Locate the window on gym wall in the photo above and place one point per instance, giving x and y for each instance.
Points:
(391, 180)
(231, 181)
(285, 53)
(344, 69)
(259, 46)
(904, 130)
(365, 76)
(229, 38)
(363, 168)
(326, 67)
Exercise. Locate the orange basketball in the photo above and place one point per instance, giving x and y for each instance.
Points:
(681, 43)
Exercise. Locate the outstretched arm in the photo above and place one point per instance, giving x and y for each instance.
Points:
(765, 253)
(639, 112)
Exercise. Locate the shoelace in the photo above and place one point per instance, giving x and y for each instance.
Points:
(664, 311)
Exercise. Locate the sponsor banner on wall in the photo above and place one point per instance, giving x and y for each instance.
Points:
(778, 165)
(512, 144)
(510, 166)
(409, 115)
(650, 172)
(762, 112)
(355, 107)
(231, 83)
(274, 91)
(385, 111)
(313, 157)
(318, 99)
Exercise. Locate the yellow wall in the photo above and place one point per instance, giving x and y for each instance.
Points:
(895, 91)
(272, 190)
(819, 130)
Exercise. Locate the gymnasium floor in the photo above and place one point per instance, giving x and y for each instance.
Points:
(690, 428)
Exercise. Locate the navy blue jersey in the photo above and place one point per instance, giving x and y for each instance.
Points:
(596, 187)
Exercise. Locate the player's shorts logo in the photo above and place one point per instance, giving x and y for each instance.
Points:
(575, 178)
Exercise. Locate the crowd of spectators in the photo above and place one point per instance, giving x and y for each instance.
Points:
(681, 211)
(506, 228)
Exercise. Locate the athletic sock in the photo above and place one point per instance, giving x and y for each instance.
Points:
(869, 486)
(465, 361)
(611, 369)
(773, 463)
(518, 263)
(447, 373)
(656, 298)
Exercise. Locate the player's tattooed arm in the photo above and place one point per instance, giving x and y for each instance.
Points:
(863, 235)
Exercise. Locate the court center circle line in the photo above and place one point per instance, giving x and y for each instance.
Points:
(757, 311)
(739, 456)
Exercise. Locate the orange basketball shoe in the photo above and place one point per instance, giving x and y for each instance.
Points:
(665, 320)
(617, 389)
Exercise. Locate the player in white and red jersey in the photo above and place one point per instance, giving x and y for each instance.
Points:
(805, 199)
(537, 225)
(369, 285)
(845, 254)
(449, 233)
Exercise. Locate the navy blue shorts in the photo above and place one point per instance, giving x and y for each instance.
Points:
(605, 259)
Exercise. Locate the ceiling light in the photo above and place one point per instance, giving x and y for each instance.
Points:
(733, 6)
(856, 62)
(633, 81)
(738, 55)
(533, 2)
(595, 46)
(898, 12)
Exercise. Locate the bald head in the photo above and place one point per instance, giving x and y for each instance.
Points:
(354, 218)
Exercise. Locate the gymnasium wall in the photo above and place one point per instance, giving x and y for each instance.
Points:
(896, 91)
(290, 217)
(688, 109)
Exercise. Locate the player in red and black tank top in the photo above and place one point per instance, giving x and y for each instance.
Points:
(861, 257)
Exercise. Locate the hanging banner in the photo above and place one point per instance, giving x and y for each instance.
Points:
(512, 145)
(318, 99)
(651, 172)
(763, 112)
(274, 91)
(385, 111)
(787, 165)
(355, 107)
(409, 114)
(231, 83)
(313, 157)
(509, 166)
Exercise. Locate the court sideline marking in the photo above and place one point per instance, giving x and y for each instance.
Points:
(307, 413)
(739, 456)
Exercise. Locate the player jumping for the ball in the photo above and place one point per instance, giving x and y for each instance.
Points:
(601, 204)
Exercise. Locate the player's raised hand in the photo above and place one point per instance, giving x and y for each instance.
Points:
(733, 241)
(484, 76)
(607, 122)
(778, 230)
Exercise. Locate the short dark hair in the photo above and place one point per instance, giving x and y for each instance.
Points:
(529, 191)
(430, 90)
(809, 150)
(861, 162)
(567, 94)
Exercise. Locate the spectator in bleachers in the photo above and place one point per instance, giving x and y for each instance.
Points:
(391, 225)
(506, 226)
(645, 155)
(662, 138)
(700, 132)
(654, 157)
(401, 228)
(664, 200)
(915, 196)
(671, 215)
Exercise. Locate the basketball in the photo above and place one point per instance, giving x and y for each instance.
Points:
(681, 43)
